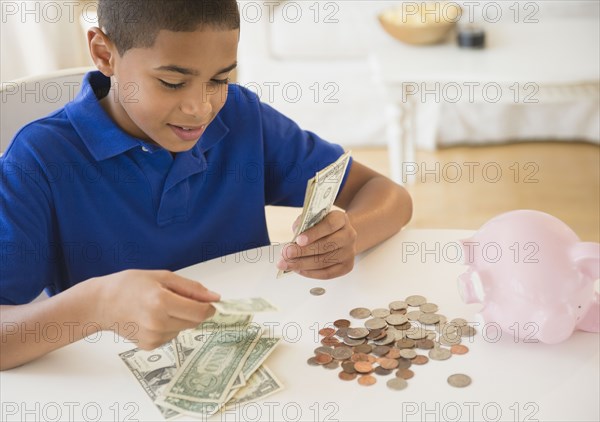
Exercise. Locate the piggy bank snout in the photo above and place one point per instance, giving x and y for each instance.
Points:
(469, 287)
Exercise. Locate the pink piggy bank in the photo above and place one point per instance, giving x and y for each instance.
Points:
(533, 275)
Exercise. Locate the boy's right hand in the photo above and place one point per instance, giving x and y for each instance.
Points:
(157, 304)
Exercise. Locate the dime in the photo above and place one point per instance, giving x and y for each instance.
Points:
(428, 308)
(342, 323)
(387, 363)
(420, 360)
(408, 353)
(380, 370)
(367, 380)
(357, 333)
(459, 380)
(397, 384)
(405, 374)
(398, 305)
(459, 349)
(424, 344)
(380, 312)
(323, 349)
(334, 364)
(396, 319)
(360, 313)
(317, 291)
(363, 367)
(322, 358)
(413, 315)
(405, 343)
(375, 323)
(345, 376)
(327, 331)
(312, 361)
(342, 353)
(348, 367)
(363, 348)
(404, 363)
(393, 353)
(415, 300)
(381, 350)
(439, 353)
(429, 319)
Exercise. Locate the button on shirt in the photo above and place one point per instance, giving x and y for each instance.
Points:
(80, 198)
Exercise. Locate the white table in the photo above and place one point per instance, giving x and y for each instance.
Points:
(518, 57)
(512, 379)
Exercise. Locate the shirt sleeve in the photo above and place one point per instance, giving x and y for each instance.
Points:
(28, 256)
(292, 157)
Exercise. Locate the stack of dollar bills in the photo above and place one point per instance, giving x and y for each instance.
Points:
(216, 366)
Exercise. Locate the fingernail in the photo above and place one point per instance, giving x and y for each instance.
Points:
(214, 294)
(282, 265)
(302, 240)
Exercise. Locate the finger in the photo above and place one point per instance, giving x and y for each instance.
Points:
(332, 222)
(334, 271)
(316, 262)
(337, 240)
(177, 306)
(189, 288)
(296, 223)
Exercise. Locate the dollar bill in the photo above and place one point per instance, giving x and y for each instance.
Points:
(244, 306)
(154, 370)
(321, 191)
(209, 373)
(260, 385)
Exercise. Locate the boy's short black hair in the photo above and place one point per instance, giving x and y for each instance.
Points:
(136, 23)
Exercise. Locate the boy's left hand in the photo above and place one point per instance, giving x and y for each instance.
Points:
(324, 251)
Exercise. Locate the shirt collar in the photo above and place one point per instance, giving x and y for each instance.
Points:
(101, 135)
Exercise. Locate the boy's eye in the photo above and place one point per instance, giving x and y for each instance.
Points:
(171, 86)
(221, 81)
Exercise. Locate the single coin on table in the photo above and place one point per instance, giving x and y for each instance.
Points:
(347, 376)
(459, 380)
(439, 353)
(397, 384)
(367, 380)
(459, 349)
(342, 323)
(317, 291)
(405, 373)
(420, 360)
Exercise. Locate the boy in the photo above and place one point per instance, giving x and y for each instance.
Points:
(153, 167)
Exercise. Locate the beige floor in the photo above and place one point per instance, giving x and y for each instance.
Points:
(562, 179)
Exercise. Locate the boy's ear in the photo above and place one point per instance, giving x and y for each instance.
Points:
(102, 51)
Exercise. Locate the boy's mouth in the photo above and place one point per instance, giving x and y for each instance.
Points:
(187, 133)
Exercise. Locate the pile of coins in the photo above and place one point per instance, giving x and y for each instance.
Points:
(391, 341)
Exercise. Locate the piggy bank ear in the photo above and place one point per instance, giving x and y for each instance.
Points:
(587, 258)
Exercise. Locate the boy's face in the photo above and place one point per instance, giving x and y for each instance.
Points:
(169, 93)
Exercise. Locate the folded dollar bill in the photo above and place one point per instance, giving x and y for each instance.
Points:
(244, 306)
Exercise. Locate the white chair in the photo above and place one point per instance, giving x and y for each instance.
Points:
(28, 99)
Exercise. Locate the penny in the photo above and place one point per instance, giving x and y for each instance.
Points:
(363, 367)
(359, 357)
(329, 341)
(424, 344)
(345, 376)
(348, 367)
(405, 374)
(381, 335)
(398, 305)
(342, 323)
(360, 313)
(459, 380)
(374, 334)
(367, 380)
(363, 348)
(342, 332)
(334, 364)
(413, 315)
(429, 319)
(408, 353)
(420, 360)
(393, 354)
(439, 353)
(381, 350)
(415, 300)
(357, 333)
(388, 363)
(371, 359)
(312, 361)
(380, 313)
(353, 342)
(397, 384)
(380, 370)
(341, 353)
(396, 319)
(428, 308)
(317, 291)
(405, 343)
(322, 358)
(459, 349)
(327, 331)
(404, 363)
(375, 323)
(323, 349)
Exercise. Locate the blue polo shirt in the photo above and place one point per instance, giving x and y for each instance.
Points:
(81, 198)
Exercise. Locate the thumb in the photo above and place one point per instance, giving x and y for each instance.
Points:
(189, 288)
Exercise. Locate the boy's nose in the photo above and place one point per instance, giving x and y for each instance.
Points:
(198, 106)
